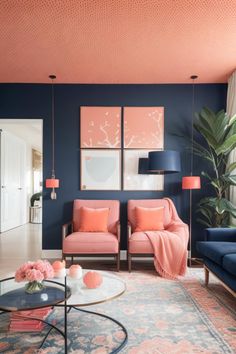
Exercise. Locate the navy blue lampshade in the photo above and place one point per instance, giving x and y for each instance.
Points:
(143, 167)
(163, 162)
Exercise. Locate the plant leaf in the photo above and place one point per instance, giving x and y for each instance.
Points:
(210, 139)
(231, 130)
(227, 146)
(203, 222)
(205, 212)
(223, 205)
(229, 180)
(205, 174)
(216, 184)
(201, 151)
(220, 126)
(231, 167)
(232, 120)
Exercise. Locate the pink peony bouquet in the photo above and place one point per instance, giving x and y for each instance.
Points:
(34, 271)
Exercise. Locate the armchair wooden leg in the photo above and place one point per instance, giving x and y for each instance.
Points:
(206, 276)
(129, 262)
(118, 262)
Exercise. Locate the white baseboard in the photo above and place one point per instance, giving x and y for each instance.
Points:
(123, 255)
(51, 254)
(55, 254)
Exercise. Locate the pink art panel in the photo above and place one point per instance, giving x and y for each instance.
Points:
(100, 127)
(144, 127)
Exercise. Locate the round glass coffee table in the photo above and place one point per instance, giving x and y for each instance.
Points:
(63, 292)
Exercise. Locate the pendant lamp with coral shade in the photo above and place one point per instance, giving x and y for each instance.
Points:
(53, 182)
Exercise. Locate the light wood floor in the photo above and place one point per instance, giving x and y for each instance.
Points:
(19, 245)
(24, 243)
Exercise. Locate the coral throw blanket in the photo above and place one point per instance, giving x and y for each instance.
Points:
(170, 246)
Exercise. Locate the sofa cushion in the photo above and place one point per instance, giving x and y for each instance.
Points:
(149, 203)
(114, 212)
(139, 243)
(90, 242)
(229, 263)
(216, 250)
(93, 220)
(148, 219)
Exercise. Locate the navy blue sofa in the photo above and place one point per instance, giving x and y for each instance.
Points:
(219, 256)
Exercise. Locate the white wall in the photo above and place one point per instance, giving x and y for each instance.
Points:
(29, 130)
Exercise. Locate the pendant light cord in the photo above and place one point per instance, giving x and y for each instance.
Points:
(193, 77)
(53, 135)
(52, 77)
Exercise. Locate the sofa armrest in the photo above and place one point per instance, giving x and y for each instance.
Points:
(67, 229)
(221, 234)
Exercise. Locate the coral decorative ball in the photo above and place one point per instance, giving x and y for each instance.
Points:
(92, 279)
(59, 269)
(58, 265)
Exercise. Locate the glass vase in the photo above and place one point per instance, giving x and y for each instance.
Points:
(34, 287)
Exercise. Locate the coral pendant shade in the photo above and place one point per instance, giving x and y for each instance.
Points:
(191, 182)
(52, 183)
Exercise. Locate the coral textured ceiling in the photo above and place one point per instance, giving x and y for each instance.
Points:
(117, 41)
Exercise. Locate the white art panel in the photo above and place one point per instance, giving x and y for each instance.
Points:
(100, 170)
(134, 181)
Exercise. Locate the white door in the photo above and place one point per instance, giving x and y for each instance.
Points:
(13, 191)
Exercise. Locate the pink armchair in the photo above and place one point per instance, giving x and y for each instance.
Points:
(75, 243)
(139, 244)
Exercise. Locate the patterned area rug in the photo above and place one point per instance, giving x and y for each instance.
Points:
(161, 316)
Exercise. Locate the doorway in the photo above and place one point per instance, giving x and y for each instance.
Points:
(21, 172)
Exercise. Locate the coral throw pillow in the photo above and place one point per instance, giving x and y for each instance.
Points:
(93, 220)
(149, 219)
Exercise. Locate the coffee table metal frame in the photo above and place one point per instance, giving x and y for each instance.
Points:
(67, 309)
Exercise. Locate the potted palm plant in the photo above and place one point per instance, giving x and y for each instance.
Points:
(217, 134)
(35, 197)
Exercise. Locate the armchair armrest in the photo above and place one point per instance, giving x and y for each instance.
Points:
(129, 230)
(175, 226)
(221, 234)
(66, 229)
(118, 230)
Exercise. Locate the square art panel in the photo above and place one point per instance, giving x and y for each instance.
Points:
(144, 127)
(100, 127)
(100, 169)
(134, 181)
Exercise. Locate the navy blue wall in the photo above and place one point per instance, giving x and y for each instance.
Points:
(33, 101)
